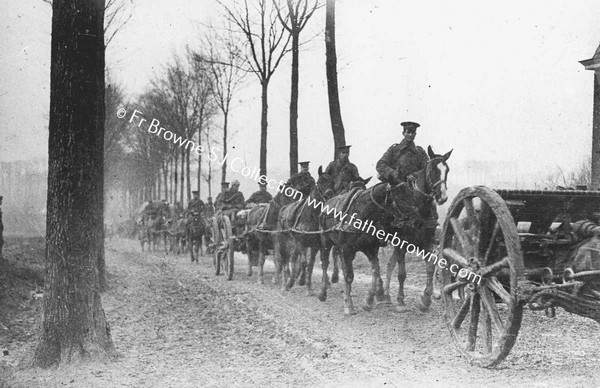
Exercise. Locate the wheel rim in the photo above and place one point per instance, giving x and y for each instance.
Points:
(480, 234)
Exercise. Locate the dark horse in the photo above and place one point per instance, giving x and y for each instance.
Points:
(372, 216)
(195, 229)
(298, 225)
(261, 226)
(156, 229)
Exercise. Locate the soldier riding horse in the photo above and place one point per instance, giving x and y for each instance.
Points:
(386, 209)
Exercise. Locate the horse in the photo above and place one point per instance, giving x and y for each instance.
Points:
(298, 224)
(177, 230)
(156, 228)
(430, 183)
(393, 207)
(195, 230)
(261, 227)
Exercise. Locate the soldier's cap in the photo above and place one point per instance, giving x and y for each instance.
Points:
(262, 184)
(195, 192)
(410, 126)
(303, 164)
(344, 148)
(209, 198)
(224, 184)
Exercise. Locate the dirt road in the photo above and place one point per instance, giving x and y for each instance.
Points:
(177, 325)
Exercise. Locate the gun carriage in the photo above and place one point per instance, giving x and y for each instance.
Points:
(520, 248)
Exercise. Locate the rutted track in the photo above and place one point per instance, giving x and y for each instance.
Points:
(178, 325)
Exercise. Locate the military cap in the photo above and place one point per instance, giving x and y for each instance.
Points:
(344, 148)
(303, 164)
(410, 126)
(195, 192)
(262, 184)
(224, 184)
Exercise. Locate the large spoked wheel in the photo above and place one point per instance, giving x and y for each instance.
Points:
(229, 250)
(481, 304)
(217, 246)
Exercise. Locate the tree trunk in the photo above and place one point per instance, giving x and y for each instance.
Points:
(335, 114)
(182, 176)
(224, 167)
(74, 326)
(294, 106)
(176, 180)
(263, 128)
(188, 174)
(199, 159)
(166, 179)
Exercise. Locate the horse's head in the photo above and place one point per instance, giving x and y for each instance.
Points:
(324, 184)
(361, 183)
(436, 173)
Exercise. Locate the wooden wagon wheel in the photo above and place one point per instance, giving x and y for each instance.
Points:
(480, 235)
(228, 239)
(217, 242)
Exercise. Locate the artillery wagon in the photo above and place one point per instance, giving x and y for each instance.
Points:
(529, 248)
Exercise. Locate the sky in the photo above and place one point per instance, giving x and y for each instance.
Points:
(495, 81)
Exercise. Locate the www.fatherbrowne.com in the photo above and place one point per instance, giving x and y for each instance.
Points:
(362, 225)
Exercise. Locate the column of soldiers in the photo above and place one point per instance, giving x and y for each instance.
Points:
(396, 165)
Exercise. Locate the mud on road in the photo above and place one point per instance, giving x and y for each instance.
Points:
(177, 325)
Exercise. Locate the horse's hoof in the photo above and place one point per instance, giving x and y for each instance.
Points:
(301, 282)
(249, 272)
(385, 298)
(349, 311)
(322, 297)
(402, 308)
(335, 277)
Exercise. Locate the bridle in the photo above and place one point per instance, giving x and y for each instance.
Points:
(430, 187)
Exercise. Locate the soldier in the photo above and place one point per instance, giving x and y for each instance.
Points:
(302, 181)
(196, 205)
(209, 209)
(260, 196)
(402, 159)
(220, 196)
(342, 171)
(233, 199)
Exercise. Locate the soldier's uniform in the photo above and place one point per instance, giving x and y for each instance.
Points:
(196, 205)
(401, 160)
(260, 196)
(302, 181)
(220, 196)
(233, 200)
(342, 173)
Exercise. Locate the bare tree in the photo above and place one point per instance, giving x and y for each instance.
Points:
(74, 326)
(266, 44)
(225, 61)
(299, 14)
(335, 113)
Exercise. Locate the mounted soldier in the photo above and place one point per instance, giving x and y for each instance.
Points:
(342, 170)
(260, 196)
(195, 205)
(220, 196)
(402, 159)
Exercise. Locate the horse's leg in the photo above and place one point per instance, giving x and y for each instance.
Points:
(376, 288)
(261, 260)
(391, 264)
(251, 253)
(325, 249)
(401, 278)
(302, 274)
(348, 271)
(426, 297)
(295, 254)
(309, 269)
(336, 261)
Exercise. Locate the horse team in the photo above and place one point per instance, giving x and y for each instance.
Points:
(301, 229)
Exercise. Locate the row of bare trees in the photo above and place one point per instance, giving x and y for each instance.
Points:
(81, 152)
